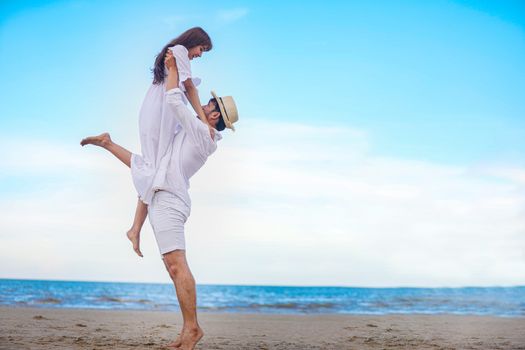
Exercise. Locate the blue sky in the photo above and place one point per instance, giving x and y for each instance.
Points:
(443, 80)
(382, 86)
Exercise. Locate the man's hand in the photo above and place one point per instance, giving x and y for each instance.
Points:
(173, 75)
(169, 60)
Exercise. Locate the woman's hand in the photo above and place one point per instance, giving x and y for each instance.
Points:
(169, 60)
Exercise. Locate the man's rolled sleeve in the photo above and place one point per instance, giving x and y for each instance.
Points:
(175, 96)
(196, 130)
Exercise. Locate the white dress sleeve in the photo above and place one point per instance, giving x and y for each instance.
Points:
(183, 64)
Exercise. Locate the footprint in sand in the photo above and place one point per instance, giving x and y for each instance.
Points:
(40, 317)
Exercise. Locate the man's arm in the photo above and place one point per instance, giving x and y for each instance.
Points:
(191, 90)
(173, 74)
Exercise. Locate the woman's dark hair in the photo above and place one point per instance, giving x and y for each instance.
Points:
(192, 37)
(220, 126)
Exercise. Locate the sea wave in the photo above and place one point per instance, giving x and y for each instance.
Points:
(48, 301)
(111, 299)
(304, 307)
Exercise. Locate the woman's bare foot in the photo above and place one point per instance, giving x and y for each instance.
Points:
(190, 338)
(134, 237)
(101, 140)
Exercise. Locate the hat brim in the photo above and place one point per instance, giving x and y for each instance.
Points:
(223, 111)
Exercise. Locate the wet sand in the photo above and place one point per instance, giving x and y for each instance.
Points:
(37, 328)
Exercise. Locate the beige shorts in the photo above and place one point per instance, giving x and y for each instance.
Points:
(167, 218)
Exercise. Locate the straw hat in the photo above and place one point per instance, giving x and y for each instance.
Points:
(228, 110)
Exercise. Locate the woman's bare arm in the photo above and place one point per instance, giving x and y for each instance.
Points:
(193, 96)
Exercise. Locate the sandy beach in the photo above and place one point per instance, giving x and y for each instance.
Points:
(38, 328)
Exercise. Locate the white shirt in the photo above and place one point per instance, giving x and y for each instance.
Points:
(183, 147)
(157, 129)
(191, 148)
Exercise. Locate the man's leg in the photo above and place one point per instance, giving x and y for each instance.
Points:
(104, 141)
(177, 266)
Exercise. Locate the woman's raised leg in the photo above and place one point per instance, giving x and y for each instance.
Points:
(104, 141)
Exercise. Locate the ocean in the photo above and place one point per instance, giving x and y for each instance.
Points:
(495, 301)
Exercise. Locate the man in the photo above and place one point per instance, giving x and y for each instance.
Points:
(171, 204)
(171, 207)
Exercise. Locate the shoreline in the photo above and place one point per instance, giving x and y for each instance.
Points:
(59, 328)
(210, 311)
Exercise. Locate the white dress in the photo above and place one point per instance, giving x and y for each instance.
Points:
(157, 129)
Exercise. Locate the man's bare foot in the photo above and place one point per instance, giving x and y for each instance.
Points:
(190, 338)
(101, 140)
(177, 343)
(134, 237)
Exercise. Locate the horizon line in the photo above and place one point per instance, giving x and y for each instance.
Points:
(274, 285)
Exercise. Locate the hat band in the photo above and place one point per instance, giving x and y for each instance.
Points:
(224, 107)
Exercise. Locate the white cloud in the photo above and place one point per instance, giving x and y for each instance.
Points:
(175, 21)
(232, 15)
(279, 203)
(508, 173)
